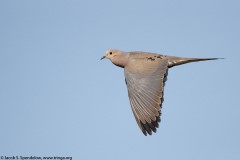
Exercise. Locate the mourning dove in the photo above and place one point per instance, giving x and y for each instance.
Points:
(145, 76)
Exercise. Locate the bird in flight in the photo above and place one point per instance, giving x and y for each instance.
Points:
(145, 77)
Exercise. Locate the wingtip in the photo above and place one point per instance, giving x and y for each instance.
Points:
(144, 132)
(149, 128)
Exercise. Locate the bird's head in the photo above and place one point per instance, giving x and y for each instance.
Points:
(111, 54)
(117, 57)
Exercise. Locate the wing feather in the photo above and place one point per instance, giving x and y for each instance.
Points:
(145, 82)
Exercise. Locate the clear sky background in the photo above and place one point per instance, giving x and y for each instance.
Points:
(58, 99)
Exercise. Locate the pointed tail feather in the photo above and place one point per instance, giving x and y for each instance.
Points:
(175, 61)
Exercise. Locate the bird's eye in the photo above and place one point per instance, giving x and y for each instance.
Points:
(110, 53)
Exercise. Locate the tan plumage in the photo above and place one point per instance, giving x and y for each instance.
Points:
(145, 75)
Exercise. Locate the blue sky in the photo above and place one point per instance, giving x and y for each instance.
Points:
(58, 99)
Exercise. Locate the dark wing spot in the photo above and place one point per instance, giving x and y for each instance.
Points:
(151, 58)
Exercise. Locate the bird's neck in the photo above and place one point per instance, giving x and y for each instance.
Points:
(120, 60)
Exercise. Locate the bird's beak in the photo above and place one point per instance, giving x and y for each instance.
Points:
(103, 57)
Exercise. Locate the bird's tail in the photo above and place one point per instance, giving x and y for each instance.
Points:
(175, 61)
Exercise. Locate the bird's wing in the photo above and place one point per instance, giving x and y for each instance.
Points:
(145, 80)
